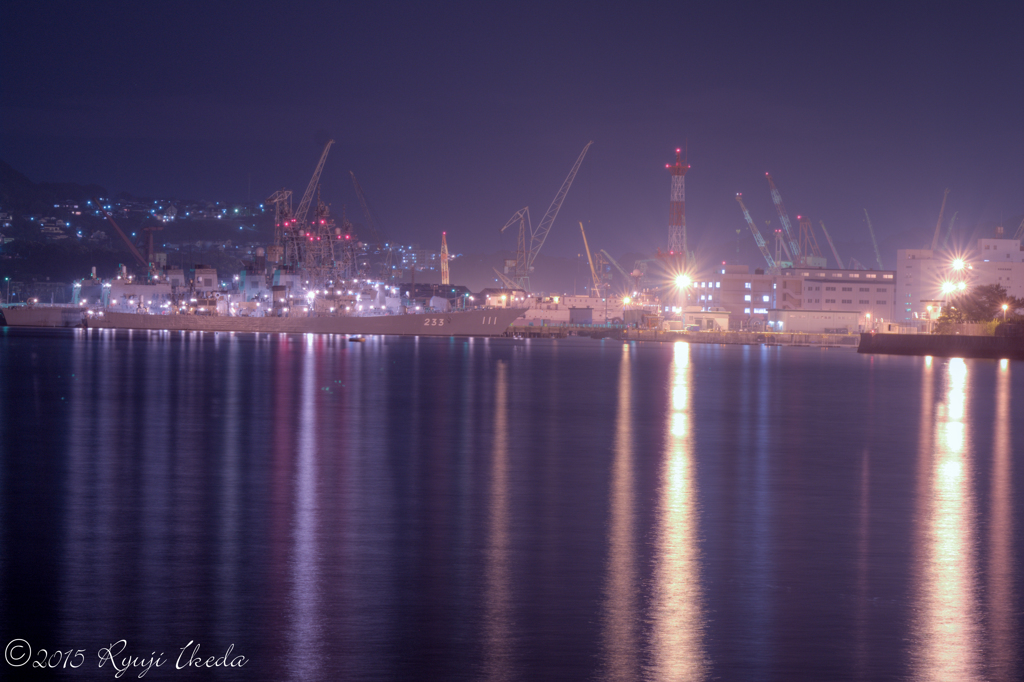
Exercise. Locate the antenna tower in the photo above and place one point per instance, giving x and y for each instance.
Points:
(677, 207)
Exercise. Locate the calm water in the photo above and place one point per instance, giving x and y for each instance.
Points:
(499, 509)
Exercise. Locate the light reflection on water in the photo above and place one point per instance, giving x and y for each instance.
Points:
(621, 613)
(498, 661)
(1002, 638)
(947, 631)
(468, 509)
(677, 622)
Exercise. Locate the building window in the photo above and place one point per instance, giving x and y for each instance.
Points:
(865, 289)
(760, 311)
(830, 288)
(747, 297)
(847, 288)
(880, 302)
(746, 311)
(864, 302)
(847, 300)
(881, 290)
(830, 300)
(766, 298)
(854, 275)
(718, 285)
(886, 276)
(871, 276)
(837, 274)
(746, 285)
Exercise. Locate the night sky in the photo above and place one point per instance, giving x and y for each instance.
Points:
(453, 116)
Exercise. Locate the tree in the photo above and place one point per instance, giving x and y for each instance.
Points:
(981, 303)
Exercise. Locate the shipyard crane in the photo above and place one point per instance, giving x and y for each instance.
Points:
(307, 198)
(878, 254)
(522, 218)
(949, 230)
(1020, 231)
(526, 257)
(808, 242)
(593, 273)
(938, 225)
(372, 221)
(505, 281)
(856, 264)
(794, 247)
(839, 261)
(282, 202)
(616, 264)
(131, 247)
(376, 228)
(773, 269)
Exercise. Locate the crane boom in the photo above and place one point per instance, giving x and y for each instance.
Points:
(949, 230)
(505, 281)
(839, 261)
(878, 254)
(1020, 231)
(300, 214)
(794, 246)
(131, 247)
(372, 223)
(593, 272)
(616, 264)
(521, 274)
(541, 233)
(772, 267)
(938, 225)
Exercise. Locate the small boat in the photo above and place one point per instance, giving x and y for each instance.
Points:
(357, 339)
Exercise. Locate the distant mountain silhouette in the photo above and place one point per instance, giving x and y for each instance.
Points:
(18, 193)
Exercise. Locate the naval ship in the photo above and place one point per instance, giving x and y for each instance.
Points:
(481, 322)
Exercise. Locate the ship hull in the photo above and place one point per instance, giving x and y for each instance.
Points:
(489, 322)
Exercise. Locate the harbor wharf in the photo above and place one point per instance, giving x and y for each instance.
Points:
(746, 338)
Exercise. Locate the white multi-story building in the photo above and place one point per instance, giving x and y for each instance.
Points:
(869, 293)
(923, 274)
(750, 296)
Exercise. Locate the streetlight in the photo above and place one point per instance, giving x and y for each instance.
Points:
(1005, 306)
(8, 280)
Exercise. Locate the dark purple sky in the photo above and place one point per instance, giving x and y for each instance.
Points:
(453, 116)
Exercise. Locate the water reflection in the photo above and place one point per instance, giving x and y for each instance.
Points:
(498, 662)
(1001, 640)
(306, 633)
(946, 636)
(676, 640)
(620, 607)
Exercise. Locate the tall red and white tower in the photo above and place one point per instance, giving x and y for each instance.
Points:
(444, 259)
(677, 212)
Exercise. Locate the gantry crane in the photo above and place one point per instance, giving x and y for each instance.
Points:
(1020, 230)
(794, 247)
(773, 269)
(839, 261)
(525, 257)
